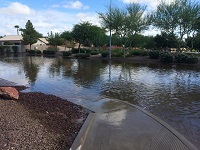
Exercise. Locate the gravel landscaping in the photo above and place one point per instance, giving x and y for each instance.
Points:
(37, 121)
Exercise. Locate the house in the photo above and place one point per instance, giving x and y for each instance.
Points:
(16, 40)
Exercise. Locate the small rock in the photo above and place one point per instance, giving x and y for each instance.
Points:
(9, 93)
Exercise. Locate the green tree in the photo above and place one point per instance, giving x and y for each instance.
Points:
(177, 18)
(83, 32)
(29, 34)
(68, 39)
(98, 37)
(136, 19)
(125, 22)
(55, 39)
(165, 41)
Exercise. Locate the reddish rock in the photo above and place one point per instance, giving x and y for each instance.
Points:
(9, 93)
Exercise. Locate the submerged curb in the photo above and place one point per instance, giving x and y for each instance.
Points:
(187, 143)
(82, 135)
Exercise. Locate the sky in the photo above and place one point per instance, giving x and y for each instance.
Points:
(57, 15)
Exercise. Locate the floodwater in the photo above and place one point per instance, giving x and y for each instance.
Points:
(171, 92)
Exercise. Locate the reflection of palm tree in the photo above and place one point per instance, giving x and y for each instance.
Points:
(17, 27)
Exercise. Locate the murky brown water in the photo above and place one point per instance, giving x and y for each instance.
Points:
(171, 92)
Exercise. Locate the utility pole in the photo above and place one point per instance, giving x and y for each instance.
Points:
(110, 30)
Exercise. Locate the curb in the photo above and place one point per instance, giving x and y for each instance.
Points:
(186, 142)
(82, 135)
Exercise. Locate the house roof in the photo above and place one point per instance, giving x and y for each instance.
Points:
(19, 38)
(11, 38)
(43, 40)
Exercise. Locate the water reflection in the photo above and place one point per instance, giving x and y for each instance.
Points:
(31, 68)
(168, 91)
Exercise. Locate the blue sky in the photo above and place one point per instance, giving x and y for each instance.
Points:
(57, 15)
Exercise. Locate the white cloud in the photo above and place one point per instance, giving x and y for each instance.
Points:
(93, 18)
(16, 8)
(44, 21)
(55, 6)
(75, 5)
(152, 4)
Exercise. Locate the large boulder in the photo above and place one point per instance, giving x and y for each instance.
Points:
(9, 93)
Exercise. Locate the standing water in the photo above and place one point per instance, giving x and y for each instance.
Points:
(170, 92)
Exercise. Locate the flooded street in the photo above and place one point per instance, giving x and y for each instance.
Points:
(170, 92)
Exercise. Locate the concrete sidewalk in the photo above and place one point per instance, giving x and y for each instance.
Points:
(129, 128)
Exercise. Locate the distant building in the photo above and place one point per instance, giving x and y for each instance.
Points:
(16, 40)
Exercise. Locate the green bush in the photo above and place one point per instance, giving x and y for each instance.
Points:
(189, 59)
(7, 48)
(154, 54)
(138, 53)
(82, 55)
(32, 52)
(192, 60)
(49, 52)
(105, 54)
(38, 52)
(88, 51)
(166, 57)
(181, 58)
(67, 53)
(52, 48)
(135, 52)
(1, 49)
(144, 53)
(76, 50)
(15, 49)
(94, 52)
(117, 53)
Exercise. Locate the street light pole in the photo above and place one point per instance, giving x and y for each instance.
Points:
(110, 31)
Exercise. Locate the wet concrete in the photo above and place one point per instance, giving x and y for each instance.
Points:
(129, 128)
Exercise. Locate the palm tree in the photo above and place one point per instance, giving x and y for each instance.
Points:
(17, 27)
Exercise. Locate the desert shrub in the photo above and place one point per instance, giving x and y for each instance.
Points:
(154, 54)
(67, 53)
(15, 49)
(82, 55)
(166, 57)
